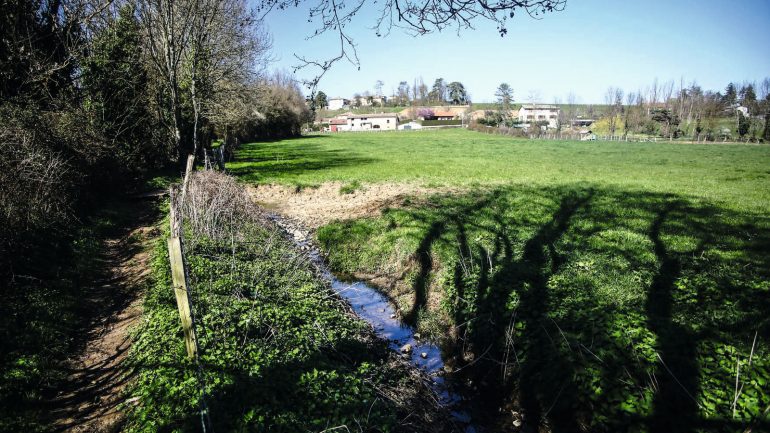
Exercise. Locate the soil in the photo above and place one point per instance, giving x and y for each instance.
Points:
(314, 207)
(91, 400)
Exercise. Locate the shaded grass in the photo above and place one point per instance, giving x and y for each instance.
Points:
(47, 303)
(592, 308)
(736, 176)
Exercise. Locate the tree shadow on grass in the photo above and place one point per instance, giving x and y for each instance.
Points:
(597, 309)
(257, 162)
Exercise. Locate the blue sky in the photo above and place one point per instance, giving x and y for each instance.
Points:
(589, 46)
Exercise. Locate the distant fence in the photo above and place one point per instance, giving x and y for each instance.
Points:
(629, 139)
(594, 137)
(430, 128)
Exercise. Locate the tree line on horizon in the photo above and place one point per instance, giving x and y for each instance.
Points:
(674, 110)
(440, 93)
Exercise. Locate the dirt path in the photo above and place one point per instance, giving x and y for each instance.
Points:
(89, 402)
(315, 207)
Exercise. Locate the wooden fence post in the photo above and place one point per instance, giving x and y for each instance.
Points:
(178, 273)
(179, 282)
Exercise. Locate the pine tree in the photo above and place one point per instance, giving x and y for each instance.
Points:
(731, 95)
(743, 124)
(749, 98)
(116, 84)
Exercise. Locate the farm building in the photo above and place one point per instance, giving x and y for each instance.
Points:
(338, 103)
(441, 115)
(368, 101)
(539, 113)
(365, 122)
(582, 122)
(338, 124)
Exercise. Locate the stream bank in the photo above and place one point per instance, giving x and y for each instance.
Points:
(372, 306)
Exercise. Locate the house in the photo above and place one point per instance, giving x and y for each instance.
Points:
(582, 122)
(367, 122)
(338, 124)
(441, 115)
(379, 100)
(338, 103)
(529, 114)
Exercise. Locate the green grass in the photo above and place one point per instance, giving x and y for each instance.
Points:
(597, 286)
(737, 176)
(350, 188)
(578, 290)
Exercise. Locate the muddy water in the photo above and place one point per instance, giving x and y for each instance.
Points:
(376, 309)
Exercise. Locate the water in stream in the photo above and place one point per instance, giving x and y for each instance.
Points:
(372, 306)
(375, 308)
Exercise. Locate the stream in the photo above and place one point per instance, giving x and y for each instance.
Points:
(376, 309)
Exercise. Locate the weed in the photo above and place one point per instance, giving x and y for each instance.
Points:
(351, 187)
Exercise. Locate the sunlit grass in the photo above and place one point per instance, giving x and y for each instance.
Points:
(738, 176)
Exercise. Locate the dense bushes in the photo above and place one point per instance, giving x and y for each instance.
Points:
(454, 122)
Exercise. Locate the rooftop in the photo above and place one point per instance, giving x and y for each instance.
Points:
(375, 115)
(539, 107)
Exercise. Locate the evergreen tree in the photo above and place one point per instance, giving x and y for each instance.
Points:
(438, 92)
(730, 96)
(749, 98)
(743, 124)
(321, 100)
(504, 95)
(457, 93)
(116, 84)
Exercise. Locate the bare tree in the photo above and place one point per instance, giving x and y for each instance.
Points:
(628, 113)
(571, 107)
(533, 97)
(211, 45)
(168, 24)
(613, 98)
(423, 92)
(666, 90)
(228, 45)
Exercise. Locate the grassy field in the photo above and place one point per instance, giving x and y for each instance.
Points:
(737, 176)
(593, 286)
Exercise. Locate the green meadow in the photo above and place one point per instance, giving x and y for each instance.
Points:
(734, 175)
(591, 286)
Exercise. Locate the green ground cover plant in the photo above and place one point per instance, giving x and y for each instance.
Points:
(736, 176)
(278, 351)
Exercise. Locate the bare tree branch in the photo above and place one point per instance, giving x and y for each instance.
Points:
(418, 17)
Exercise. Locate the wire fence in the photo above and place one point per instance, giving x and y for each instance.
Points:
(223, 251)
